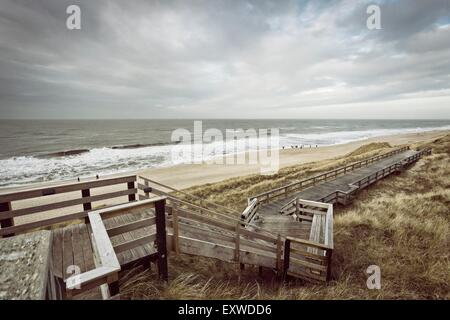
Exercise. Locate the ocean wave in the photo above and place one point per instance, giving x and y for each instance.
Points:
(342, 137)
(64, 153)
(109, 160)
(75, 152)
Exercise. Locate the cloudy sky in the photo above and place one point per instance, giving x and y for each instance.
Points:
(224, 59)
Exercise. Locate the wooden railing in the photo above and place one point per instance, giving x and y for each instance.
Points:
(250, 211)
(147, 185)
(106, 273)
(285, 191)
(107, 266)
(174, 201)
(201, 235)
(311, 259)
(342, 196)
(49, 195)
(202, 231)
(361, 183)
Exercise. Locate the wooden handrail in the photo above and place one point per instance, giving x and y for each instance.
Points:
(230, 210)
(8, 212)
(108, 259)
(249, 212)
(334, 172)
(225, 217)
(309, 243)
(64, 188)
(394, 165)
(107, 264)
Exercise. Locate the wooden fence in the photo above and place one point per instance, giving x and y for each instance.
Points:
(106, 273)
(286, 190)
(145, 184)
(205, 232)
(201, 235)
(344, 196)
(174, 201)
(311, 259)
(50, 196)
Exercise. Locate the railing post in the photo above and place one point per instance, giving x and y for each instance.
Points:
(279, 248)
(176, 243)
(237, 243)
(287, 253)
(147, 194)
(296, 206)
(161, 244)
(131, 197)
(86, 193)
(9, 222)
(113, 285)
(329, 253)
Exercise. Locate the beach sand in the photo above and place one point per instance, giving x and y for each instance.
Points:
(187, 175)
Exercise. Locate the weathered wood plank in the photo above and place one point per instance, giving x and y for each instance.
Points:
(39, 192)
(77, 245)
(57, 253)
(134, 243)
(67, 253)
(131, 226)
(67, 203)
(88, 253)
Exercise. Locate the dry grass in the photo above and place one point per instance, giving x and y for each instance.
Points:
(369, 147)
(234, 192)
(400, 224)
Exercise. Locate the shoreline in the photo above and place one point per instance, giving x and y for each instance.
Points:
(187, 175)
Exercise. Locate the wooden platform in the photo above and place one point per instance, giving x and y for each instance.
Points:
(72, 246)
(288, 229)
(269, 216)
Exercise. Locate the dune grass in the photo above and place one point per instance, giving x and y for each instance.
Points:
(400, 224)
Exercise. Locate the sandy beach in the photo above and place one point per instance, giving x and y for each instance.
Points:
(187, 175)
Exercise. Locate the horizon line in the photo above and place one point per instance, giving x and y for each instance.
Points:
(119, 119)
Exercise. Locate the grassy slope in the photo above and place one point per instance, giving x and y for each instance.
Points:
(400, 224)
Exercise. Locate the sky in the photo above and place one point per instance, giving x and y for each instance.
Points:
(224, 59)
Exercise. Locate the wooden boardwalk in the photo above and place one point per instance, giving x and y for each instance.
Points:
(131, 233)
(288, 229)
(270, 218)
(72, 245)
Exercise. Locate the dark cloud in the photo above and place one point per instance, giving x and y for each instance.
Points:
(218, 58)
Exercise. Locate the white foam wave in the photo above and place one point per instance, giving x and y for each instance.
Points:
(341, 137)
(103, 161)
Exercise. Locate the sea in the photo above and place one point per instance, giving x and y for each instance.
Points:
(48, 150)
